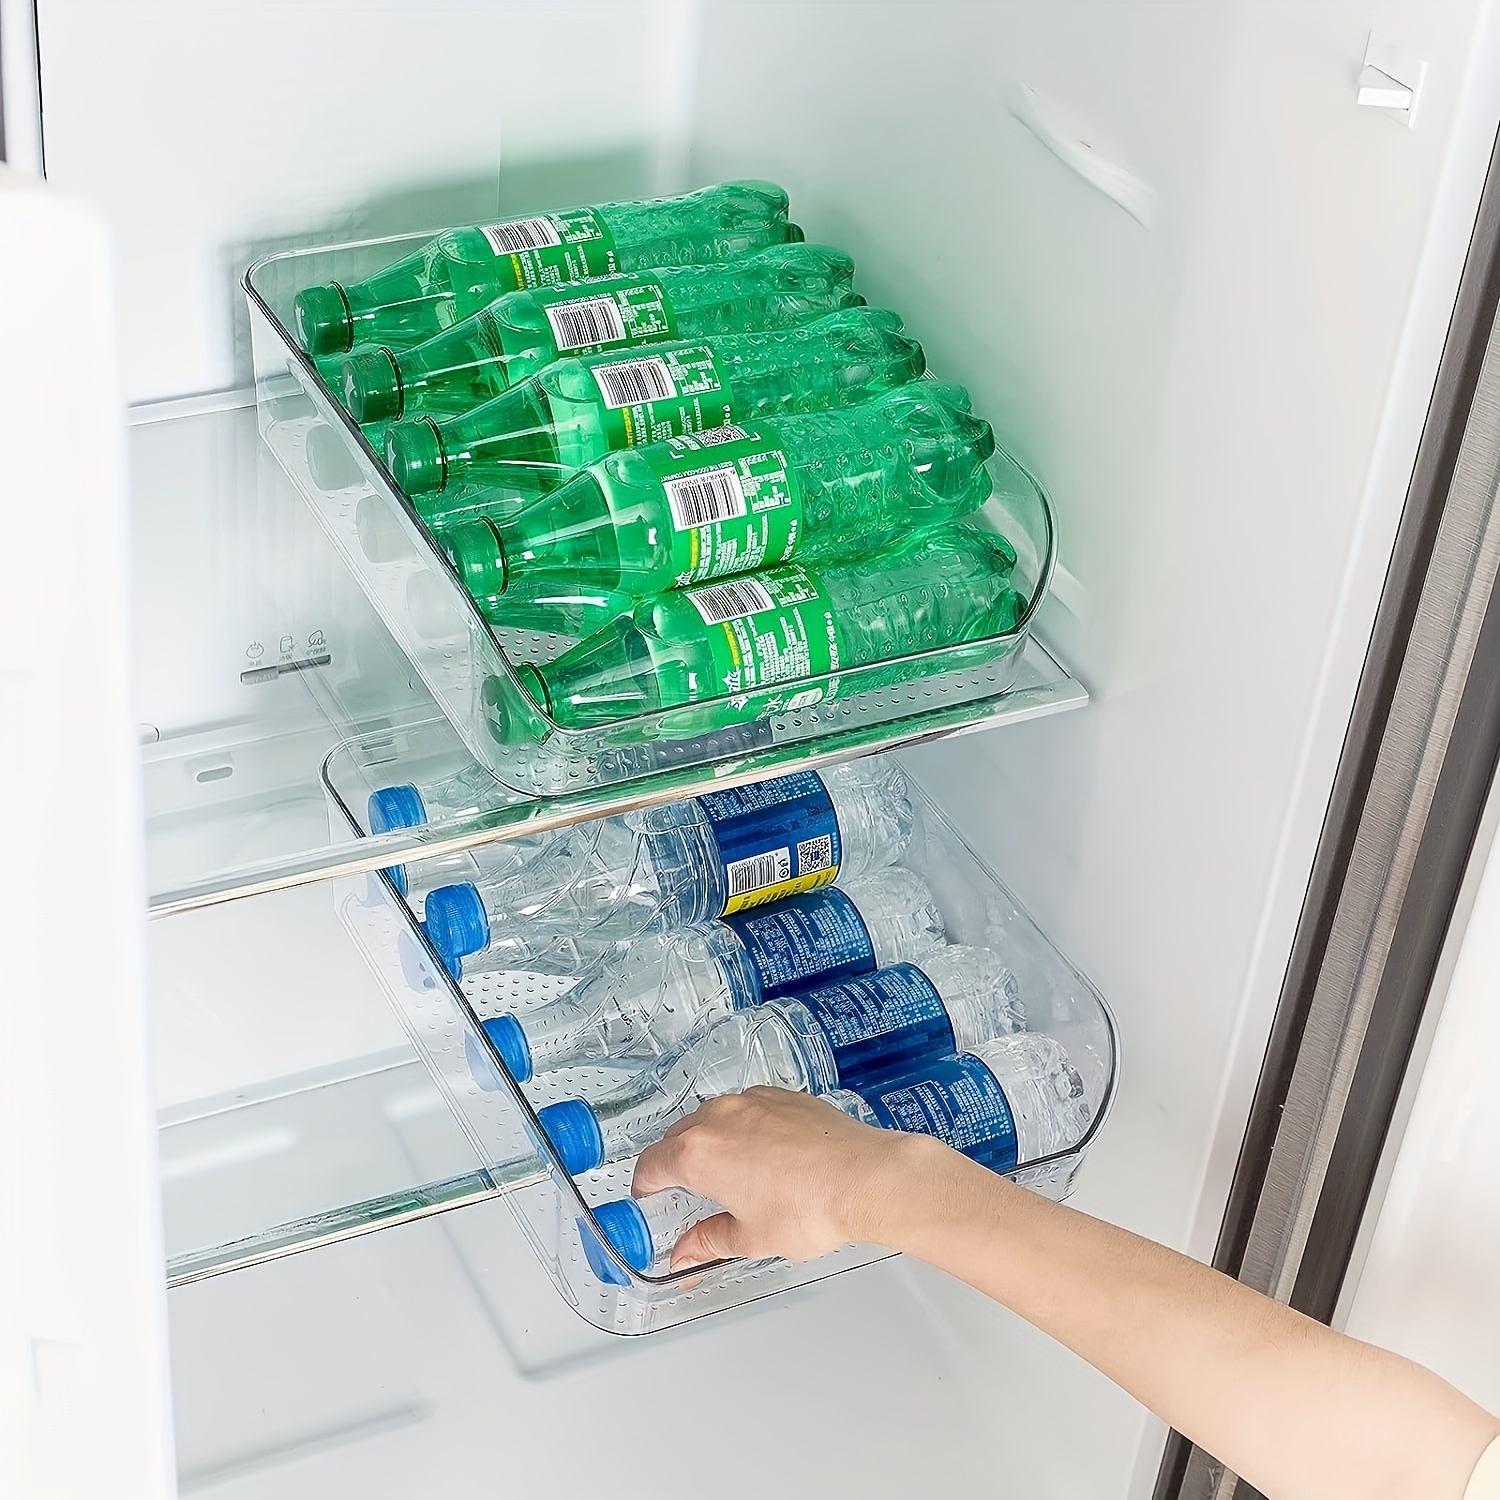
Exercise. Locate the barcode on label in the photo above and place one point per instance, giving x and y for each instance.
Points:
(589, 320)
(635, 380)
(758, 871)
(730, 601)
(814, 854)
(698, 499)
(521, 234)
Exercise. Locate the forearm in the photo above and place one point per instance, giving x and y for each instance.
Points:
(1293, 1407)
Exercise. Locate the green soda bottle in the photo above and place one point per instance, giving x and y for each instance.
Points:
(719, 641)
(540, 432)
(462, 270)
(827, 485)
(517, 335)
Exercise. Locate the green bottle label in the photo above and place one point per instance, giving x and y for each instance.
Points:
(631, 315)
(734, 501)
(554, 247)
(653, 397)
(775, 627)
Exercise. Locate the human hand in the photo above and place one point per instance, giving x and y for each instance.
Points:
(796, 1176)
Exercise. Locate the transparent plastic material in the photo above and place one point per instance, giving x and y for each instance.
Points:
(445, 1021)
(469, 666)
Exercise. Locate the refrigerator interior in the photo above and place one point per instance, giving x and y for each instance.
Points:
(1219, 367)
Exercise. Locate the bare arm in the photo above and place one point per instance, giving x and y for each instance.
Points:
(1296, 1409)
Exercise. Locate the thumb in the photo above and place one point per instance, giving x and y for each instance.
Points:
(716, 1238)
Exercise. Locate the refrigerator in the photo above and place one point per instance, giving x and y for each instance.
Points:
(1223, 276)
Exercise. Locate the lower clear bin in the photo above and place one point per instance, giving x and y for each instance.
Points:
(469, 666)
(442, 1020)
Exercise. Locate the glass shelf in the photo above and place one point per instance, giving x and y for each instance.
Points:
(321, 1077)
(257, 654)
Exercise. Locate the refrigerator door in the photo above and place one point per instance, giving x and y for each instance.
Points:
(84, 1399)
(1424, 1282)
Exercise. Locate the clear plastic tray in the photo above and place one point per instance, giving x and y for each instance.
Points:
(468, 666)
(443, 1020)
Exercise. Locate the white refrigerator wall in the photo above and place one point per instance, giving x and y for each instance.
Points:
(212, 131)
(1225, 401)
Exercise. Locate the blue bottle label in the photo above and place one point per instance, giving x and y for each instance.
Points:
(958, 1100)
(776, 838)
(882, 1026)
(814, 938)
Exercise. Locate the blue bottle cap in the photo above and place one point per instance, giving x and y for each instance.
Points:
(456, 922)
(396, 807)
(451, 961)
(398, 878)
(573, 1128)
(510, 1042)
(625, 1228)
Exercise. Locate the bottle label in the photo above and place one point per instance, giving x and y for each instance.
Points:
(816, 938)
(583, 321)
(774, 627)
(882, 1026)
(775, 838)
(654, 397)
(553, 248)
(958, 1100)
(734, 501)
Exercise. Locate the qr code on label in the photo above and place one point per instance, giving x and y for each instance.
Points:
(814, 854)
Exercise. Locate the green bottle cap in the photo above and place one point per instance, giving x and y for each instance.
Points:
(795, 234)
(323, 322)
(414, 455)
(372, 385)
(476, 552)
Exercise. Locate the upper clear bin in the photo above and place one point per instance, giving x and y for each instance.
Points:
(469, 667)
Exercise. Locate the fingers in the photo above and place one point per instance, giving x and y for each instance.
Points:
(676, 1159)
(659, 1166)
(718, 1238)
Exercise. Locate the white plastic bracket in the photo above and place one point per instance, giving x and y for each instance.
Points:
(1391, 79)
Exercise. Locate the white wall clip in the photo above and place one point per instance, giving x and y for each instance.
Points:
(1391, 79)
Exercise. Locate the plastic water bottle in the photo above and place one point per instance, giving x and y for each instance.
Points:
(515, 336)
(851, 1035)
(822, 486)
(641, 1231)
(538, 433)
(686, 862)
(665, 985)
(463, 795)
(716, 642)
(464, 269)
(1004, 1102)
(1008, 1103)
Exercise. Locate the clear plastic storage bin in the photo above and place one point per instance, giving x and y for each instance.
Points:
(443, 1020)
(468, 666)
